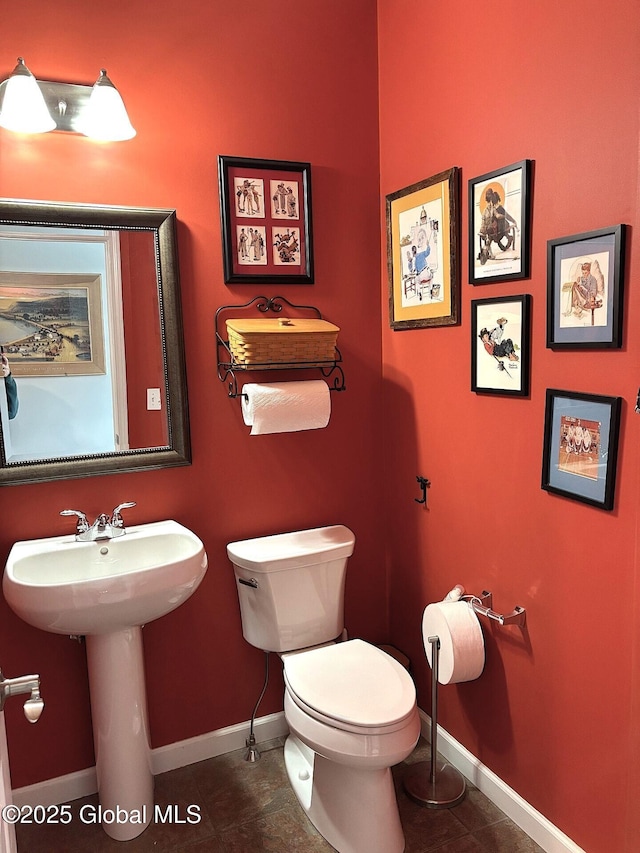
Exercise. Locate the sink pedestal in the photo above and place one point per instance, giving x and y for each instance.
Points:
(121, 731)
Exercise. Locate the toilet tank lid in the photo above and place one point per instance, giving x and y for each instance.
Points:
(288, 550)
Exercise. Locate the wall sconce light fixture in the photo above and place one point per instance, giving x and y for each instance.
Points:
(28, 105)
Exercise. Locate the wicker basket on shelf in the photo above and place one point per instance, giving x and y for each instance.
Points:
(270, 343)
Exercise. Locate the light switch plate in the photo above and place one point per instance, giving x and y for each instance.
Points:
(153, 399)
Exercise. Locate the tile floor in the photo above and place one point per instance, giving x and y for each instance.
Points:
(249, 808)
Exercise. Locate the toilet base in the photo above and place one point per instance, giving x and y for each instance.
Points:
(355, 810)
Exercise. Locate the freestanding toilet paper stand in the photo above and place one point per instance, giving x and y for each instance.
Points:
(444, 786)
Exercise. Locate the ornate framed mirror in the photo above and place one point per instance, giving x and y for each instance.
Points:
(91, 329)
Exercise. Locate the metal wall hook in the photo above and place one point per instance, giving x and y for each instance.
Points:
(424, 485)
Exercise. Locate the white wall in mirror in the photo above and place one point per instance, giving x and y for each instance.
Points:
(66, 415)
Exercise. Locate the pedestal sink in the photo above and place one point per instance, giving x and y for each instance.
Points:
(107, 590)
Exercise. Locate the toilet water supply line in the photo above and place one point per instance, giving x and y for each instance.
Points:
(253, 753)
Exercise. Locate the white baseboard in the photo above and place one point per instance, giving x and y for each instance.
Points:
(216, 743)
(63, 789)
(537, 827)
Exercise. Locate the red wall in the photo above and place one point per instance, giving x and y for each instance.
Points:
(202, 79)
(555, 713)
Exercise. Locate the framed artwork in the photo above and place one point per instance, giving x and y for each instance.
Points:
(265, 209)
(585, 282)
(581, 446)
(500, 224)
(51, 323)
(423, 238)
(500, 345)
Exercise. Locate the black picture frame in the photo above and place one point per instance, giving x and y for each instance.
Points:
(581, 467)
(500, 227)
(265, 212)
(585, 289)
(501, 345)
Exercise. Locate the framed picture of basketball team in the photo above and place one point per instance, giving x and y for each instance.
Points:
(500, 224)
(265, 212)
(581, 446)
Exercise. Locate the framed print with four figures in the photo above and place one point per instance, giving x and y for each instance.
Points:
(265, 210)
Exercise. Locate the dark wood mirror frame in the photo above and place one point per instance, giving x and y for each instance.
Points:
(162, 224)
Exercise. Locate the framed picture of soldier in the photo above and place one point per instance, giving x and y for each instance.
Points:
(265, 212)
(581, 446)
(585, 282)
(500, 224)
(500, 345)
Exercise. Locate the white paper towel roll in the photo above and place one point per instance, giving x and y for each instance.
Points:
(286, 406)
(461, 640)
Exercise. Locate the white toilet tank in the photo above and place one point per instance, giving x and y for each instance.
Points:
(291, 586)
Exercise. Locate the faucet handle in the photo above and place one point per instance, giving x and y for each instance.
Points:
(82, 525)
(116, 518)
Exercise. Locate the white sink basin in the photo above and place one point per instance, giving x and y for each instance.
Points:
(69, 587)
(107, 591)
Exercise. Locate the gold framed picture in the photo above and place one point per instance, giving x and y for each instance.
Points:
(423, 239)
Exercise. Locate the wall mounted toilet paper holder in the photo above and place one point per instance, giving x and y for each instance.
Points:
(482, 605)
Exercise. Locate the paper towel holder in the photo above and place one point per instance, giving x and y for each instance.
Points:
(331, 369)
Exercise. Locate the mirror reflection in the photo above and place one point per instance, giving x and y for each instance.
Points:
(91, 339)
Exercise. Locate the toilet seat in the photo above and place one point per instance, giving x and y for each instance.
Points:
(352, 686)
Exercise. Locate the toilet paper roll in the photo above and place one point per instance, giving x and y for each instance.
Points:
(286, 406)
(461, 640)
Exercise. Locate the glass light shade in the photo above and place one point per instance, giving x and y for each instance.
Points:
(23, 107)
(105, 117)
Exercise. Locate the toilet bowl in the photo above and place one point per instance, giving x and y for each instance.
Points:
(351, 711)
(350, 707)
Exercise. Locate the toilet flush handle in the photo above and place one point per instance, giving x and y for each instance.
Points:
(251, 582)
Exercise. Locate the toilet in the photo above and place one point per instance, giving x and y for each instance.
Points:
(350, 707)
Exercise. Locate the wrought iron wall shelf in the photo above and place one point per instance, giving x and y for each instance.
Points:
(228, 366)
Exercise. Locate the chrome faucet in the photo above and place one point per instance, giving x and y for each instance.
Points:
(103, 527)
(34, 706)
